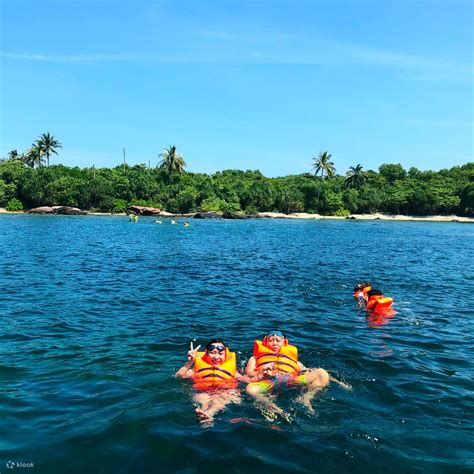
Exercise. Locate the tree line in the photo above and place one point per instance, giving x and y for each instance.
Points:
(26, 183)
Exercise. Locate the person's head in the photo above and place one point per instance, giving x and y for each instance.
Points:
(374, 292)
(361, 286)
(274, 340)
(216, 351)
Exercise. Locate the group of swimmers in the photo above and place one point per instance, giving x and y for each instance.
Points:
(273, 365)
(132, 217)
(372, 299)
(185, 224)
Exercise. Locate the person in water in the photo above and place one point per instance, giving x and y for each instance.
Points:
(360, 292)
(215, 378)
(377, 302)
(275, 364)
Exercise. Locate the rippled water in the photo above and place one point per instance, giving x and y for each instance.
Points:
(96, 315)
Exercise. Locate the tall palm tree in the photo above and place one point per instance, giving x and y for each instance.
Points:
(323, 165)
(48, 145)
(34, 156)
(356, 177)
(172, 162)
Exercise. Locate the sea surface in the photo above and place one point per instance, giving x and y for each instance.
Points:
(97, 313)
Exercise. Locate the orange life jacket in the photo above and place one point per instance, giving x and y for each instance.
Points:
(377, 302)
(286, 360)
(208, 376)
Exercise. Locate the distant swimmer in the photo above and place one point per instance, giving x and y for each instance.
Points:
(158, 222)
(215, 378)
(186, 224)
(173, 222)
(377, 302)
(133, 217)
(275, 364)
(360, 292)
(372, 299)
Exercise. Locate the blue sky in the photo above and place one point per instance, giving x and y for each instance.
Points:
(240, 84)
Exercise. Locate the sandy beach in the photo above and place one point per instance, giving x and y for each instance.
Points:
(376, 216)
(304, 215)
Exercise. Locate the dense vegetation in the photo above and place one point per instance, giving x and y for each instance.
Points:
(25, 184)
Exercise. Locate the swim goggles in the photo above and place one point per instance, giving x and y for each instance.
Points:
(275, 333)
(219, 347)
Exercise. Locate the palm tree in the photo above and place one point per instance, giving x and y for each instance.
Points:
(13, 155)
(356, 177)
(48, 144)
(172, 162)
(323, 165)
(34, 156)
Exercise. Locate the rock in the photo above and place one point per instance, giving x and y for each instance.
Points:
(71, 211)
(42, 210)
(145, 211)
(207, 215)
(67, 210)
(231, 215)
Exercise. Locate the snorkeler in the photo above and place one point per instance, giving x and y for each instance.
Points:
(275, 364)
(215, 378)
(360, 292)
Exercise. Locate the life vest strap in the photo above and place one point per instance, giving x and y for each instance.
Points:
(213, 376)
(214, 368)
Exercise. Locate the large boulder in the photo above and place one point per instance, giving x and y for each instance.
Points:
(208, 215)
(69, 211)
(145, 211)
(42, 210)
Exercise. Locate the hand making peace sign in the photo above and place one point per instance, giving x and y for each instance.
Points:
(192, 352)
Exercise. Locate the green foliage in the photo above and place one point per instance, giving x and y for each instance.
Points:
(392, 172)
(342, 213)
(118, 205)
(467, 200)
(14, 204)
(7, 192)
(392, 190)
(232, 207)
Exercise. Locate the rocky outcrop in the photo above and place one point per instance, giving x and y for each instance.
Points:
(231, 215)
(65, 210)
(147, 211)
(208, 215)
(42, 210)
(69, 211)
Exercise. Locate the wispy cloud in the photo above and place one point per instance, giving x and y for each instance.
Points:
(249, 47)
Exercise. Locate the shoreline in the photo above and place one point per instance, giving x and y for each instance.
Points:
(300, 215)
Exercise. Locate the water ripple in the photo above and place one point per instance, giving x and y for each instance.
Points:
(96, 316)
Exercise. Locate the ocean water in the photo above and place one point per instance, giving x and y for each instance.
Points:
(96, 315)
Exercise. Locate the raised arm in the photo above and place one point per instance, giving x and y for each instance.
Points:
(185, 372)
